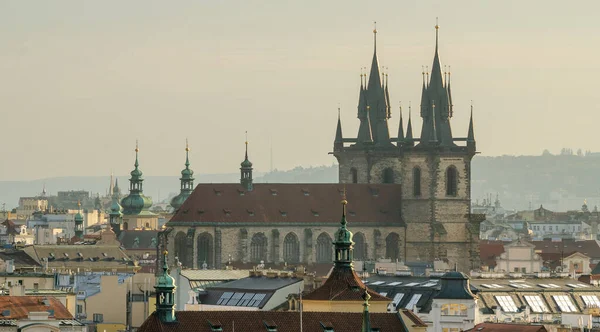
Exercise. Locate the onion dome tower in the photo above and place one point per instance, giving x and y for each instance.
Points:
(79, 222)
(187, 182)
(136, 202)
(165, 294)
(115, 215)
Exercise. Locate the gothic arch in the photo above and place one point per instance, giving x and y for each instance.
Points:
(181, 250)
(451, 181)
(392, 246)
(291, 248)
(360, 247)
(387, 176)
(416, 181)
(354, 175)
(324, 248)
(258, 248)
(205, 250)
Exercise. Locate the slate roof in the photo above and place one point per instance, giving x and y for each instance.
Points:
(255, 321)
(20, 306)
(92, 256)
(21, 259)
(261, 283)
(128, 239)
(343, 285)
(297, 203)
(499, 327)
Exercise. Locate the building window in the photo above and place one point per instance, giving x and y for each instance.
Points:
(205, 249)
(36, 286)
(181, 250)
(416, 181)
(451, 181)
(454, 309)
(324, 248)
(388, 176)
(354, 175)
(79, 309)
(258, 248)
(98, 318)
(291, 248)
(360, 247)
(392, 246)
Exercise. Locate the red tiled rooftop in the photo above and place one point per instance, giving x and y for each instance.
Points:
(343, 285)
(305, 203)
(254, 321)
(21, 306)
(489, 250)
(498, 327)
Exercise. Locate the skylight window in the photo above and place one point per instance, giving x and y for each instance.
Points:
(378, 283)
(554, 286)
(395, 283)
(397, 298)
(256, 300)
(496, 286)
(591, 301)
(383, 293)
(411, 284)
(536, 303)
(507, 303)
(429, 284)
(520, 285)
(235, 299)
(413, 301)
(224, 298)
(564, 303)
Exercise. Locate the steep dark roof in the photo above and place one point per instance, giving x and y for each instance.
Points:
(21, 258)
(567, 247)
(343, 285)
(299, 203)
(128, 239)
(455, 285)
(254, 321)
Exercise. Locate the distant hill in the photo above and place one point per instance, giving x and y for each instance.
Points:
(560, 182)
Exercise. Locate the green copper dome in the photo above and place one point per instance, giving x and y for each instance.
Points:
(246, 163)
(78, 217)
(136, 202)
(115, 208)
(165, 281)
(343, 235)
(187, 182)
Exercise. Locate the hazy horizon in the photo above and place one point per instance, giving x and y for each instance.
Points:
(82, 80)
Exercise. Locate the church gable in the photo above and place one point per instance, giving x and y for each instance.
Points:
(293, 203)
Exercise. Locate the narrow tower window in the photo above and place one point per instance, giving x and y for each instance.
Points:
(354, 174)
(388, 176)
(416, 181)
(451, 181)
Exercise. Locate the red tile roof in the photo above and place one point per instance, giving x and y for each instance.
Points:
(497, 327)
(567, 247)
(305, 203)
(343, 285)
(489, 250)
(414, 318)
(254, 321)
(21, 306)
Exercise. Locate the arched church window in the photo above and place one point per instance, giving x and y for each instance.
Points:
(416, 181)
(354, 175)
(392, 246)
(291, 248)
(181, 249)
(360, 247)
(388, 176)
(324, 248)
(258, 248)
(204, 249)
(451, 181)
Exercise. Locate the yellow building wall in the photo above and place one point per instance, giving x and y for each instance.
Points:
(111, 302)
(110, 327)
(140, 222)
(343, 306)
(27, 281)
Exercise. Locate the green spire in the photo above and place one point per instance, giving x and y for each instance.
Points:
(246, 170)
(115, 215)
(187, 181)
(136, 202)
(79, 222)
(366, 325)
(343, 241)
(165, 291)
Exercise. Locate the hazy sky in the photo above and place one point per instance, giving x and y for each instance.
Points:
(80, 81)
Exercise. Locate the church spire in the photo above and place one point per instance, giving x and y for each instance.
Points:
(187, 181)
(376, 99)
(343, 241)
(165, 291)
(136, 202)
(338, 143)
(400, 129)
(471, 134)
(246, 170)
(409, 134)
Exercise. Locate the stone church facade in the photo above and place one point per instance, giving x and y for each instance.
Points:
(408, 197)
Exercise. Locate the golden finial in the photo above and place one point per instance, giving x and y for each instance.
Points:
(137, 149)
(368, 107)
(344, 201)
(79, 204)
(165, 252)
(187, 146)
(246, 137)
(375, 27)
(436, 24)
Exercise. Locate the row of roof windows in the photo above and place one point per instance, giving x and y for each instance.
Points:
(305, 192)
(430, 283)
(538, 305)
(283, 213)
(241, 299)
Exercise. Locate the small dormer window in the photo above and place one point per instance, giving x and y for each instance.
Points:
(79, 254)
(315, 213)
(374, 192)
(250, 213)
(215, 325)
(283, 213)
(200, 211)
(270, 325)
(66, 255)
(218, 192)
(327, 326)
(274, 192)
(227, 212)
(305, 192)
(104, 254)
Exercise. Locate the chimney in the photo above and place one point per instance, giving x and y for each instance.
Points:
(272, 274)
